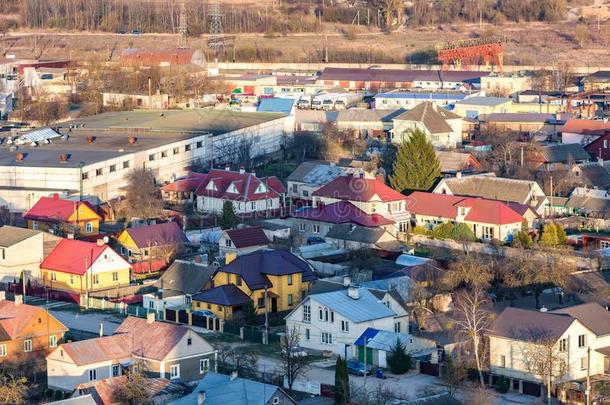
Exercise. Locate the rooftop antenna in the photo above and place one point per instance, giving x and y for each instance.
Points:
(182, 29)
(217, 39)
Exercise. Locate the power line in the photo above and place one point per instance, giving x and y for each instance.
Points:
(183, 29)
(217, 39)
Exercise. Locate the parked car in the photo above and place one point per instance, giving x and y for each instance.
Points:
(295, 352)
(356, 367)
(136, 32)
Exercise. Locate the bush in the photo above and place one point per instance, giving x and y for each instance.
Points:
(502, 385)
(398, 359)
(420, 230)
(443, 231)
(462, 232)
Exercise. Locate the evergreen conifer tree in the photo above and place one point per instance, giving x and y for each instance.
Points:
(341, 382)
(398, 359)
(416, 166)
(229, 219)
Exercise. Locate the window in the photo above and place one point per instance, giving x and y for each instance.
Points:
(209, 306)
(316, 229)
(261, 303)
(27, 345)
(582, 340)
(295, 188)
(52, 341)
(306, 313)
(326, 314)
(290, 279)
(116, 370)
(3, 351)
(502, 361)
(189, 341)
(344, 326)
(71, 279)
(237, 279)
(92, 375)
(253, 205)
(199, 144)
(164, 154)
(89, 227)
(583, 363)
(301, 227)
(204, 366)
(605, 144)
(307, 334)
(96, 279)
(151, 157)
(174, 372)
(126, 164)
(228, 242)
(176, 151)
(327, 338)
(112, 168)
(332, 316)
(99, 172)
(151, 304)
(305, 193)
(397, 327)
(115, 276)
(53, 276)
(289, 300)
(488, 232)
(85, 176)
(187, 148)
(321, 317)
(276, 400)
(563, 345)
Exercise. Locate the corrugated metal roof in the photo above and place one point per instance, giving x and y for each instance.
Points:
(39, 135)
(366, 308)
(484, 101)
(423, 95)
(276, 105)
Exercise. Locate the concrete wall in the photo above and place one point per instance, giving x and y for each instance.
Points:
(25, 255)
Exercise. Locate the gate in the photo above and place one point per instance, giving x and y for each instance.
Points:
(183, 317)
(327, 390)
(428, 368)
(170, 315)
(199, 320)
(530, 388)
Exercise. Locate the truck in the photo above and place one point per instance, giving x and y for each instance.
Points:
(304, 102)
(348, 100)
(329, 102)
(316, 102)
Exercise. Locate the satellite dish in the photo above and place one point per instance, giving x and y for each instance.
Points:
(106, 239)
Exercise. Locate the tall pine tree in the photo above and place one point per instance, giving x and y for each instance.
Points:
(229, 219)
(416, 166)
(341, 382)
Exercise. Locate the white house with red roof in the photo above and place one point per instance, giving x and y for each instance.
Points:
(249, 194)
(583, 131)
(242, 240)
(488, 219)
(370, 195)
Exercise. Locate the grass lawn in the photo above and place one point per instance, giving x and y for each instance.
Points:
(281, 169)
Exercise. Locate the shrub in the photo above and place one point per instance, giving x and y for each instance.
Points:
(398, 359)
(443, 231)
(461, 232)
(502, 385)
(420, 230)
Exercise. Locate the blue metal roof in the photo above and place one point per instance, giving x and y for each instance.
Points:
(423, 96)
(219, 389)
(366, 308)
(410, 260)
(382, 339)
(281, 105)
(484, 101)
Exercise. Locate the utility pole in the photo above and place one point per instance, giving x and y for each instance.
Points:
(588, 390)
(266, 319)
(217, 39)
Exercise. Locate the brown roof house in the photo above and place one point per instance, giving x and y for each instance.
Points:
(579, 335)
(166, 350)
(242, 240)
(107, 391)
(442, 127)
(27, 333)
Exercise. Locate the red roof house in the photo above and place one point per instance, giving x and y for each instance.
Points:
(54, 214)
(249, 194)
(339, 213)
(488, 219)
(243, 240)
(357, 188)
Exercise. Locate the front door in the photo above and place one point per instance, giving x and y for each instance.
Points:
(273, 304)
(606, 364)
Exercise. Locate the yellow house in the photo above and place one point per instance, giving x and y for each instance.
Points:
(58, 216)
(275, 278)
(74, 268)
(156, 242)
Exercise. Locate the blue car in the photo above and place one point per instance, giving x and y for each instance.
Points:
(357, 368)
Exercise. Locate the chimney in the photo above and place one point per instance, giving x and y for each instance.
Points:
(347, 280)
(150, 318)
(90, 139)
(233, 375)
(100, 242)
(18, 299)
(227, 168)
(64, 157)
(132, 140)
(458, 175)
(242, 170)
(101, 329)
(201, 397)
(352, 291)
(55, 197)
(2, 295)
(543, 309)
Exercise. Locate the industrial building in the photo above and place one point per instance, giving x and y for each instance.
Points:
(93, 155)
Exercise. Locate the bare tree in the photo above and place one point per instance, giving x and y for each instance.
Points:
(542, 356)
(293, 366)
(134, 390)
(237, 358)
(143, 196)
(12, 388)
(471, 270)
(232, 152)
(474, 320)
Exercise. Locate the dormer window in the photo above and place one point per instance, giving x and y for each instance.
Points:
(232, 188)
(261, 188)
(211, 186)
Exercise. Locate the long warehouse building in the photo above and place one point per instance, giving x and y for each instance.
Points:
(95, 154)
